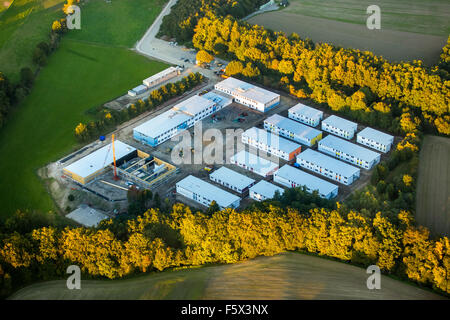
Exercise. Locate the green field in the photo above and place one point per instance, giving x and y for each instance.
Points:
(285, 276)
(433, 186)
(97, 24)
(425, 17)
(410, 29)
(78, 77)
(22, 26)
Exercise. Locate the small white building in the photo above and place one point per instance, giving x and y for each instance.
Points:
(264, 190)
(249, 95)
(137, 91)
(232, 179)
(375, 139)
(291, 177)
(205, 193)
(306, 114)
(161, 77)
(254, 163)
(292, 130)
(271, 143)
(328, 167)
(340, 127)
(349, 152)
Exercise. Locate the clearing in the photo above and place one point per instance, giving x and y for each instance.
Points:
(409, 29)
(433, 186)
(285, 276)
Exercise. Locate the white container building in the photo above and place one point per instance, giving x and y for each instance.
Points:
(161, 77)
(328, 167)
(271, 143)
(137, 91)
(181, 117)
(254, 163)
(249, 95)
(340, 127)
(264, 190)
(205, 193)
(291, 177)
(306, 115)
(375, 139)
(232, 180)
(349, 152)
(292, 130)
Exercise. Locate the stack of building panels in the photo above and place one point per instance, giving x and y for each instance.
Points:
(375, 139)
(328, 167)
(249, 95)
(291, 177)
(306, 115)
(271, 143)
(181, 117)
(254, 163)
(349, 152)
(340, 127)
(292, 130)
(264, 190)
(205, 193)
(232, 179)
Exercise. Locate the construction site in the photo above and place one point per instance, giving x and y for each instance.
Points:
(100, 175)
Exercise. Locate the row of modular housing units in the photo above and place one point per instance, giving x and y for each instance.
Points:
(282, 138)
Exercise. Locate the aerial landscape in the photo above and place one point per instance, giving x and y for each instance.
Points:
(224, 150)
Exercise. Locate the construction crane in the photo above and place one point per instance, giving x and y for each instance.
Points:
(114, 158)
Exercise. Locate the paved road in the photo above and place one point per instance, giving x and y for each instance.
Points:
(153, 47)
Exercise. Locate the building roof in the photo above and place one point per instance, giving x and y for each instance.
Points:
(260, 165)
(99, 159)
(247, 90)
(306, 111)
(218, 98)
(349, 148)
(174, 117)
(341, 123)
(193, 105)
(223, 198)
(87, 216)
(266, 189)
(328, 162)
(305, 179)
(376, 135)
(232, 178)
(162, 123)
(160, 74)
(297, 128)
(271, 139)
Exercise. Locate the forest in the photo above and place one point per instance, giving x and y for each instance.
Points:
(397, 97)
(185, 14)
